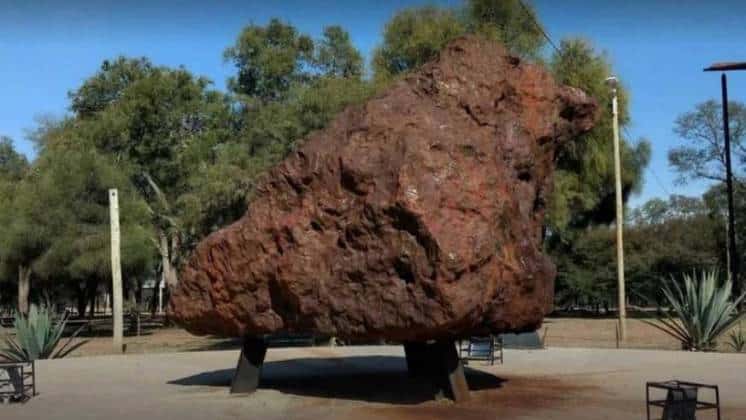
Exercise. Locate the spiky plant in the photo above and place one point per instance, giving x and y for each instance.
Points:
(38, 336)
(700, 312)
(737, 340)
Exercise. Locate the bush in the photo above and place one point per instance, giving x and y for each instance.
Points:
(38, 336)
(737, 340)
(700, 312)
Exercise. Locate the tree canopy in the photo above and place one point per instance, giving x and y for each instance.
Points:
(584, 184)
(186, 156)
(702, 154)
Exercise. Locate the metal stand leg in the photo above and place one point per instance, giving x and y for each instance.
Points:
(248, 371)
(438, 361)
(417, 362)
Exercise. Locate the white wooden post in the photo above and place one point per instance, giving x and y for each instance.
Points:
(116, 271)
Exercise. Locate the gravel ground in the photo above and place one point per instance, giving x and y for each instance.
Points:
(370, 383)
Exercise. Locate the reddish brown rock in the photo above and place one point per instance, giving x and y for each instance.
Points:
(417, 215)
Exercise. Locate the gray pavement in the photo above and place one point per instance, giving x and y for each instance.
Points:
(371, 383)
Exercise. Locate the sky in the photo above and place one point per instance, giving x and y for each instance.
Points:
(658, 49)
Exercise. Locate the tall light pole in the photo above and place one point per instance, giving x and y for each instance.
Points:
(733, 260)
(622, 302)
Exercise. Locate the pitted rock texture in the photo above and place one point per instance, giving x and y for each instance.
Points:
(415, 216)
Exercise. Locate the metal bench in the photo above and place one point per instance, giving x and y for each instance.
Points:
(488, 349)
(17, 381)
(682, 399)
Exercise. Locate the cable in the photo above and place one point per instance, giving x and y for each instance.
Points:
(655, 174)
(549, 40)
(543, 32)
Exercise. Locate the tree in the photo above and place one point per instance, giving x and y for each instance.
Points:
(413, 37)
(584, 183)
(270, 126)
(715, 199)
(13, 167)
(161, 126)
(511, 22)
(667, 237)
(702, 156)
(70, 196)
(57, 226)
(336, 56)
(268, 60)
(584, 191)
(107, 85)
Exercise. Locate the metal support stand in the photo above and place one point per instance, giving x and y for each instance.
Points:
(439, 362)
(249, 369)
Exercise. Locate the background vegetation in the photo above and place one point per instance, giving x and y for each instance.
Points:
(186, 157)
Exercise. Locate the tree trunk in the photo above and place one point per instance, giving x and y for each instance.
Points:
(168, 253)
(91, 290)
(132, 293)
(81, 301)
(138, 293)
(24, 287)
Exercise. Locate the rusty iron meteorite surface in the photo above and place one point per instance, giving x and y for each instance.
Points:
(415, 216)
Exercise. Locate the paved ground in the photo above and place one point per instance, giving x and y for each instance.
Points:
(370, 383)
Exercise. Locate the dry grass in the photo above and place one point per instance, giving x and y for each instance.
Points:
(601, 333)
(557, 332)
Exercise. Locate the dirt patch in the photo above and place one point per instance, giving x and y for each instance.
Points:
(516, 396)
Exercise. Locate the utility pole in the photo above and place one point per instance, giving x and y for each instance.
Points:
(622, 298)
(731, 225)
(116, 271)
(733, 269)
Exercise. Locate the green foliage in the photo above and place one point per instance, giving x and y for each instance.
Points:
(584, 183)
(13, 165)
(60, 223)
(663, 237)
(509, 21)
(702, 311)
(107, 85)
(716, 201)
(584, 188)
(336, 56)
(162, 128)
(586, 272)
(268, 60)
(38, 336)
(737, 340)
(701, 156)
(413, 37)
(186, 158)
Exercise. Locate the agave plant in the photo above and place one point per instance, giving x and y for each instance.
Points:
(737, 340)
(701, 311)
(38, 336)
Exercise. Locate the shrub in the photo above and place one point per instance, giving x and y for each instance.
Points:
(38, 336)
(700, 312)
(737, 340)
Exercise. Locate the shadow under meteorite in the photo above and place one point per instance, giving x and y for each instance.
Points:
(382, 379)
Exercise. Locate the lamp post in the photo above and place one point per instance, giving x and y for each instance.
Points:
(622, 298)
(733, 269)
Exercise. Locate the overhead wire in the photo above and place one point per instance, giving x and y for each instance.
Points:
(551, 42)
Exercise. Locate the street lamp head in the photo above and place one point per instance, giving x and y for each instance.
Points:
(612, 81)
(728, 66)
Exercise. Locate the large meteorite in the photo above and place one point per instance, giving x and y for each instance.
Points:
(415, 216)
